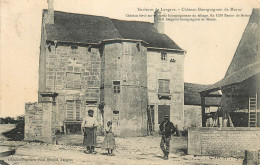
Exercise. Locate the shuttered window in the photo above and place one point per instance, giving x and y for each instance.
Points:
(70, 110)
(73, 108)
(164, 86)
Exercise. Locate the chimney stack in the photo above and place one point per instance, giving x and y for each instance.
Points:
(158, 24)
(50, 14)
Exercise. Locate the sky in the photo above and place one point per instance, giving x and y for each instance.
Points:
(210, 45)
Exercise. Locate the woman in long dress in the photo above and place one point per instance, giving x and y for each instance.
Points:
(109, 142)
(89, 126)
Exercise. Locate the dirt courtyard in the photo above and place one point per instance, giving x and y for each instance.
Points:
(131, 150)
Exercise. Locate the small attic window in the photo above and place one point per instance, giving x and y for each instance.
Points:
(164, 56)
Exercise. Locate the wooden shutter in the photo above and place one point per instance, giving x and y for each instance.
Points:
(78, 105)
(70, 110)
(161, 86)
(77, 80)
(164, 86)
(162, 111)
(167, 86)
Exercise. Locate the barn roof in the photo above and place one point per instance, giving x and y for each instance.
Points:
(81, 28)
(247, 52)
(192, 95)
(246, 60)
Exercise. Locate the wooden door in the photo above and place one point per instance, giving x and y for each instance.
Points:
(162, 111)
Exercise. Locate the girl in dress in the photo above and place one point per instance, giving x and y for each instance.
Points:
(109, 142)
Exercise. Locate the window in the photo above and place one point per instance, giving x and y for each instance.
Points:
(116, 86)
(73, 109)
(73, 80)
(70, 110)
(164, 56)
(164, 86)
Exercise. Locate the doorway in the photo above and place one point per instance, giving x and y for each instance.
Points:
(162, 111)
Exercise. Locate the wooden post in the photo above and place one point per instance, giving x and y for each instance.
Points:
(203, 115)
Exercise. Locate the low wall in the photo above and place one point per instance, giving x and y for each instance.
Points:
(225, 141)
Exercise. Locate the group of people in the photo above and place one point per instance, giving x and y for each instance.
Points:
(89, 125)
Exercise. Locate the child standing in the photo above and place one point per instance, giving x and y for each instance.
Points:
(109, 142)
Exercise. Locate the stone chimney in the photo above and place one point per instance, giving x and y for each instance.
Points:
(50, 15)
(158, 24)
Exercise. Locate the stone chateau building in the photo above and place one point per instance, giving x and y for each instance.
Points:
(128, 72)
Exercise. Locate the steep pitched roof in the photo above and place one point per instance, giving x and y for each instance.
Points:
(246, 61)
(247, 52)
(237, 76)
(192, 95)
(70, 27)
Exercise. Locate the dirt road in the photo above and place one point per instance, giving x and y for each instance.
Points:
(132, 150)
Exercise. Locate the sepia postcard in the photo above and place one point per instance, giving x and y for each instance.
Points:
(129, 82)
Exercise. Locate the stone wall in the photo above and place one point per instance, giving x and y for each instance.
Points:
(64, 61)
(40, 122)
(126, 63)
(227, 142)
(174, 71)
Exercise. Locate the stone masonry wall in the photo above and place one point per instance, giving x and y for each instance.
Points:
(174, 71)
(227, 142)
(73, 59)
(125, 63)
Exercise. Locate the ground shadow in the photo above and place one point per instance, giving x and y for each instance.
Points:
(159, 156)
(104, 153)
(181, 151)
(16, 134)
